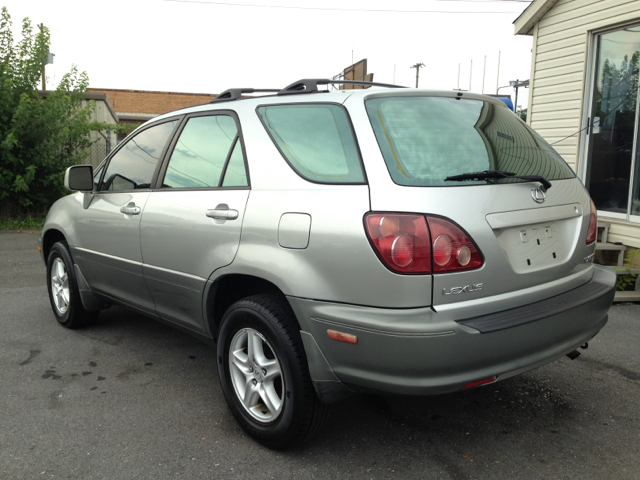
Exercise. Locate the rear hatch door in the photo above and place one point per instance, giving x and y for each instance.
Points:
(411, 142)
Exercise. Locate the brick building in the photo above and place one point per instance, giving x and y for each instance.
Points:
(136, 106)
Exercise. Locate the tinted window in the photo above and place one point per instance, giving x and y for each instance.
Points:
(426, 139)
(201, 153)
(316, 140)
(132, 167)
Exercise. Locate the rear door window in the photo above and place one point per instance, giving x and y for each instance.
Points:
(316, 140)
(208, 154)
(426, 139)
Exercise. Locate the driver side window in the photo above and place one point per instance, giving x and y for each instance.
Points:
(132, 167)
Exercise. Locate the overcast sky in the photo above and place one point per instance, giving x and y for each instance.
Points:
(204, 46)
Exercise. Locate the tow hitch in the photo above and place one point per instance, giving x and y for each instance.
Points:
(573, 355)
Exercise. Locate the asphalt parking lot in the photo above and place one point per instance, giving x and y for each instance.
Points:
(129, 398)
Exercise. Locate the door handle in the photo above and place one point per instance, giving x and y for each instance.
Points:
(130, 209)
(222, 214)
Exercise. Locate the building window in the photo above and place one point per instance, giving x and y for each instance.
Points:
(613, 167)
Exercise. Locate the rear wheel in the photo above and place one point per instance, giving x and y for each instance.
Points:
(63, 289)
(264, 373)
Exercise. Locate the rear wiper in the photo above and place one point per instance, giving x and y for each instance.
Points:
(546, 184)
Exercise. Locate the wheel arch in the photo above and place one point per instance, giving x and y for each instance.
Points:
(49, 238)
(228, 289)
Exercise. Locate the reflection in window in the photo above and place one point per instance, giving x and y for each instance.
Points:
(426, 139)
(132, 167)
(236, 174)
(201, 152)
(316, 140)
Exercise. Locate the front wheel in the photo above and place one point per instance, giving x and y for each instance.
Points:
(264, 373)
(63, 289)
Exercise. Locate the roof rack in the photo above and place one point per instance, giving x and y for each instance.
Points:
(236, 93)
(310, 85)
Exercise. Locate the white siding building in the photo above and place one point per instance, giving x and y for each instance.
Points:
(583, 98)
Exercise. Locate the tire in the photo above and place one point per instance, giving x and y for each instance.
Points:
(63, 289)
(267, 388)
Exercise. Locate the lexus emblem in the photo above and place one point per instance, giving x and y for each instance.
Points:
(538, 195)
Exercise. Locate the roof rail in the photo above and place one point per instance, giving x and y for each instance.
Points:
(236, 93)
(310, 85)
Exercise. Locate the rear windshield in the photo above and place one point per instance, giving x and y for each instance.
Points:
(426, 139)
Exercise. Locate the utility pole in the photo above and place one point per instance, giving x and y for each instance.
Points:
(44, 84)
(484, 73)
(417, 66)
(516, 84)
(498, 76)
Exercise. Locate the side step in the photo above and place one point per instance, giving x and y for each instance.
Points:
(603, 244)
(628, 296)
(633, 296)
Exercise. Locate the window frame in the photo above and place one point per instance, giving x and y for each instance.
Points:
(154, 177)
(176, 136)
(365, 180)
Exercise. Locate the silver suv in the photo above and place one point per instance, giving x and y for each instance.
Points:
(378, 240)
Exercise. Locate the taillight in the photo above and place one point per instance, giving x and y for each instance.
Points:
(453, 250)
(408, 243)
(401, 241)
(592, 233)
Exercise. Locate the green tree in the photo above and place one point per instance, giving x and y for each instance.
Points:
(39, 136)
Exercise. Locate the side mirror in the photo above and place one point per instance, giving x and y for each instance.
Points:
(79, 178)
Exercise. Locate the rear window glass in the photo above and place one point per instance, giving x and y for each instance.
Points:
(316, 140)
(426, 139)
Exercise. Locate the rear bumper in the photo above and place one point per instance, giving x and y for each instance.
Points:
(422, 352)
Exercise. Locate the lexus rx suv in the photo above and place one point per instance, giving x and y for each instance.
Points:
(327, 243)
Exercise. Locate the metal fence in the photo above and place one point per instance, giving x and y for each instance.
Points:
(100, 149)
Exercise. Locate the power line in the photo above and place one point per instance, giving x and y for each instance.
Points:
(591, 123)
(293, 7)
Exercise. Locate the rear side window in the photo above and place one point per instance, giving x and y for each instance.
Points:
(133, 166)
(316, 140)
(426, 139)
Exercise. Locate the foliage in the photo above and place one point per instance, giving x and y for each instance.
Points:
(125, 128)
(628, 281)
(39, 137)
(22, 223)
(617, 83)
(523, 114)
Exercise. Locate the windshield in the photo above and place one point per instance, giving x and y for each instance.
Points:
(426, 139)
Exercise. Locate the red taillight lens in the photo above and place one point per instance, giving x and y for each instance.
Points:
(401, 240)
(404, 243)
(453, 250)
(592, 233)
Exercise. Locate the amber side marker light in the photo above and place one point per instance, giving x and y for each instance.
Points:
(342, 337)
(478, 383)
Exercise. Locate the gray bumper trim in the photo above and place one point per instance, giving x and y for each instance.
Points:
(537, 311)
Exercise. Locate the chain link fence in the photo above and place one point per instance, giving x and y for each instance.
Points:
(101, 147)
